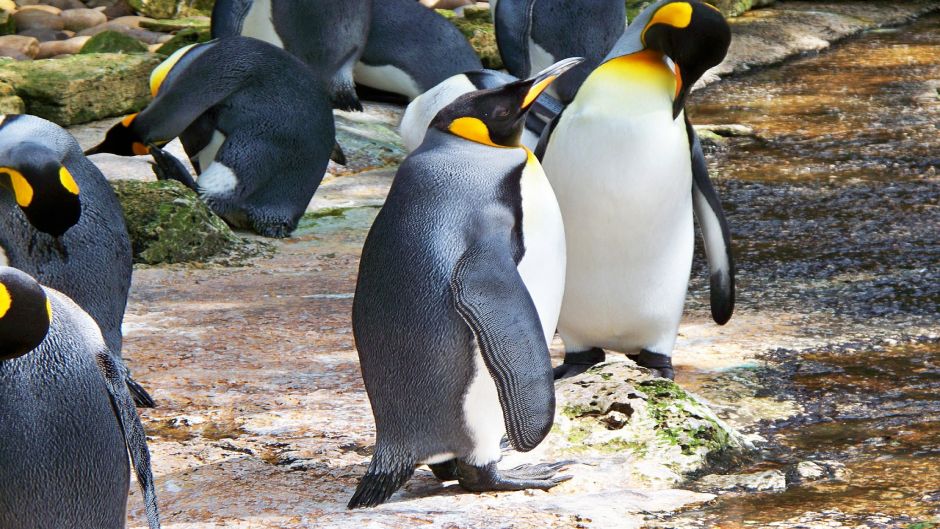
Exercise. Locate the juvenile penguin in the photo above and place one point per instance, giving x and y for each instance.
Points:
(629, 171)
(63, 224)
(327, 35)
(258, 137)
(531, 34)
(67, 421)
(412, 48)
(459, 288)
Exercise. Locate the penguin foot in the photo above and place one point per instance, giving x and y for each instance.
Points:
(489, 478)
(168, 167)
(657, 362)
(446, 471)
(142, 399)
(578, 362)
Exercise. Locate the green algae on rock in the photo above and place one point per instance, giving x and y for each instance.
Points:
(176, 24)
(183, 38)
(113, 42)
(10, 103)
(168, 223)
(68, 91)
(477, 25)
(7, 24)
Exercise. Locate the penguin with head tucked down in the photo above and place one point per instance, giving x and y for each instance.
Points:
(327, 35)
(258, 137)
(67, 421)
(411, 49)
(63, 224)
(531, 34)
(629, 172)
(459, 287)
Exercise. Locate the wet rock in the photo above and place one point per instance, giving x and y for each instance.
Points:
(767, 481)
(809, 471)
(477, 25)
(68, 91)
(168, 223)
(184, 38)
(61, 47)
(733, 8)
(35, 18)
(10, 103)
(18, 47)
(368, 142)
(79, 19)
(113, 42)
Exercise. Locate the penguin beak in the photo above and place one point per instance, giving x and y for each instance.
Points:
(546, 77)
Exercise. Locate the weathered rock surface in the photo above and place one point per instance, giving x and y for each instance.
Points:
(69, 90)
(10, 103)
(18, 47)
(61, 47)
(767, 481)
(113, 42)
(477, 25)
(168, 223)
(79, 19)
(156, 8)
(34, 17)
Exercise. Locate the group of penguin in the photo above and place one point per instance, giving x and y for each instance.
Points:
(530, 202)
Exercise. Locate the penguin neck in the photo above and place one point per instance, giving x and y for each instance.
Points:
(638, 83)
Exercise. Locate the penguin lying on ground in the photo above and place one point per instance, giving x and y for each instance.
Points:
(63, 224)
(532, 34)
(411, 49)
(327, 35)
(459, 287)
(628, 170)
(259, 137)
(67, 421)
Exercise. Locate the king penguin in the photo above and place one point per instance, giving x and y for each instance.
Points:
(258, 137)
(628, 170)
(67, 420)
(63, 224)
(532, 34)
(411, 49)
(329, 36)
(459, 287)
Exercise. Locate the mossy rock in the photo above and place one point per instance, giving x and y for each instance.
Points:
(113, 42)
(10, 103)
(168, 223)
(477, 25)
(7, 25)
(176, 24)
(184, 38)
(69, 90)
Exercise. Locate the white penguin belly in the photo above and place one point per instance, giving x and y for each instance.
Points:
(259, 23)
(623, 179)
(386, 77)
(483, 415)
(218, 180)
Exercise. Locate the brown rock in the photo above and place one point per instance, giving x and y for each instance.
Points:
(118, 10)
(45, 35)
(22, 3)
(132, 21)
(34, 18)
(61, 47)
(66, 4)
(18, 47)
(42, 7)
(147, 36)
(84, 18)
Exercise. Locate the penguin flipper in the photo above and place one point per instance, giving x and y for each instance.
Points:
(142, 398)
(715, 233)
(134, 436)
(228, 17)
(513, 24)
(492, 299)
(169, 167)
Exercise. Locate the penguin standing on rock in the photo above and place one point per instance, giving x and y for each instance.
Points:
(532, 34)
(411, 49)
(258, 137)
(459, 288)
(67, 421)
(629, 171)
(328, 35)
(63, 224)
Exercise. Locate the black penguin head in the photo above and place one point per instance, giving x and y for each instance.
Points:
(25, 313)
(122, 140)
(692, 34)
(43, 188)
(497, 116)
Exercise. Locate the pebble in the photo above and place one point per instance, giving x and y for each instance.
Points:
(18, 47)
(80, 19)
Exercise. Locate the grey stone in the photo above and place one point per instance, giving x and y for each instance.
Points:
(766, 481)
(84, 18)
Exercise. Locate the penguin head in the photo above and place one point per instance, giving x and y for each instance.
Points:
(692, 34)
(25, 313)
(42, 187)
(122, 140)
(496, 116)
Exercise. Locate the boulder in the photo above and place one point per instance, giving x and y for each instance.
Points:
(10, 103)
(61, 47)
(18, 46)
(168, 223)
(69, 90)
(113, 42)
(35, 18)
(79, 19)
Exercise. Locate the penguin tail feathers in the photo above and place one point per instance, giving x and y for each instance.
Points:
(388, 471)
(142, 399)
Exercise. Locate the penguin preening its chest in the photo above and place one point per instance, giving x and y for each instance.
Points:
(67, 421)
(327, 35)
(629, 171)
(259, 138)
(63, 224)
(459, 287)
